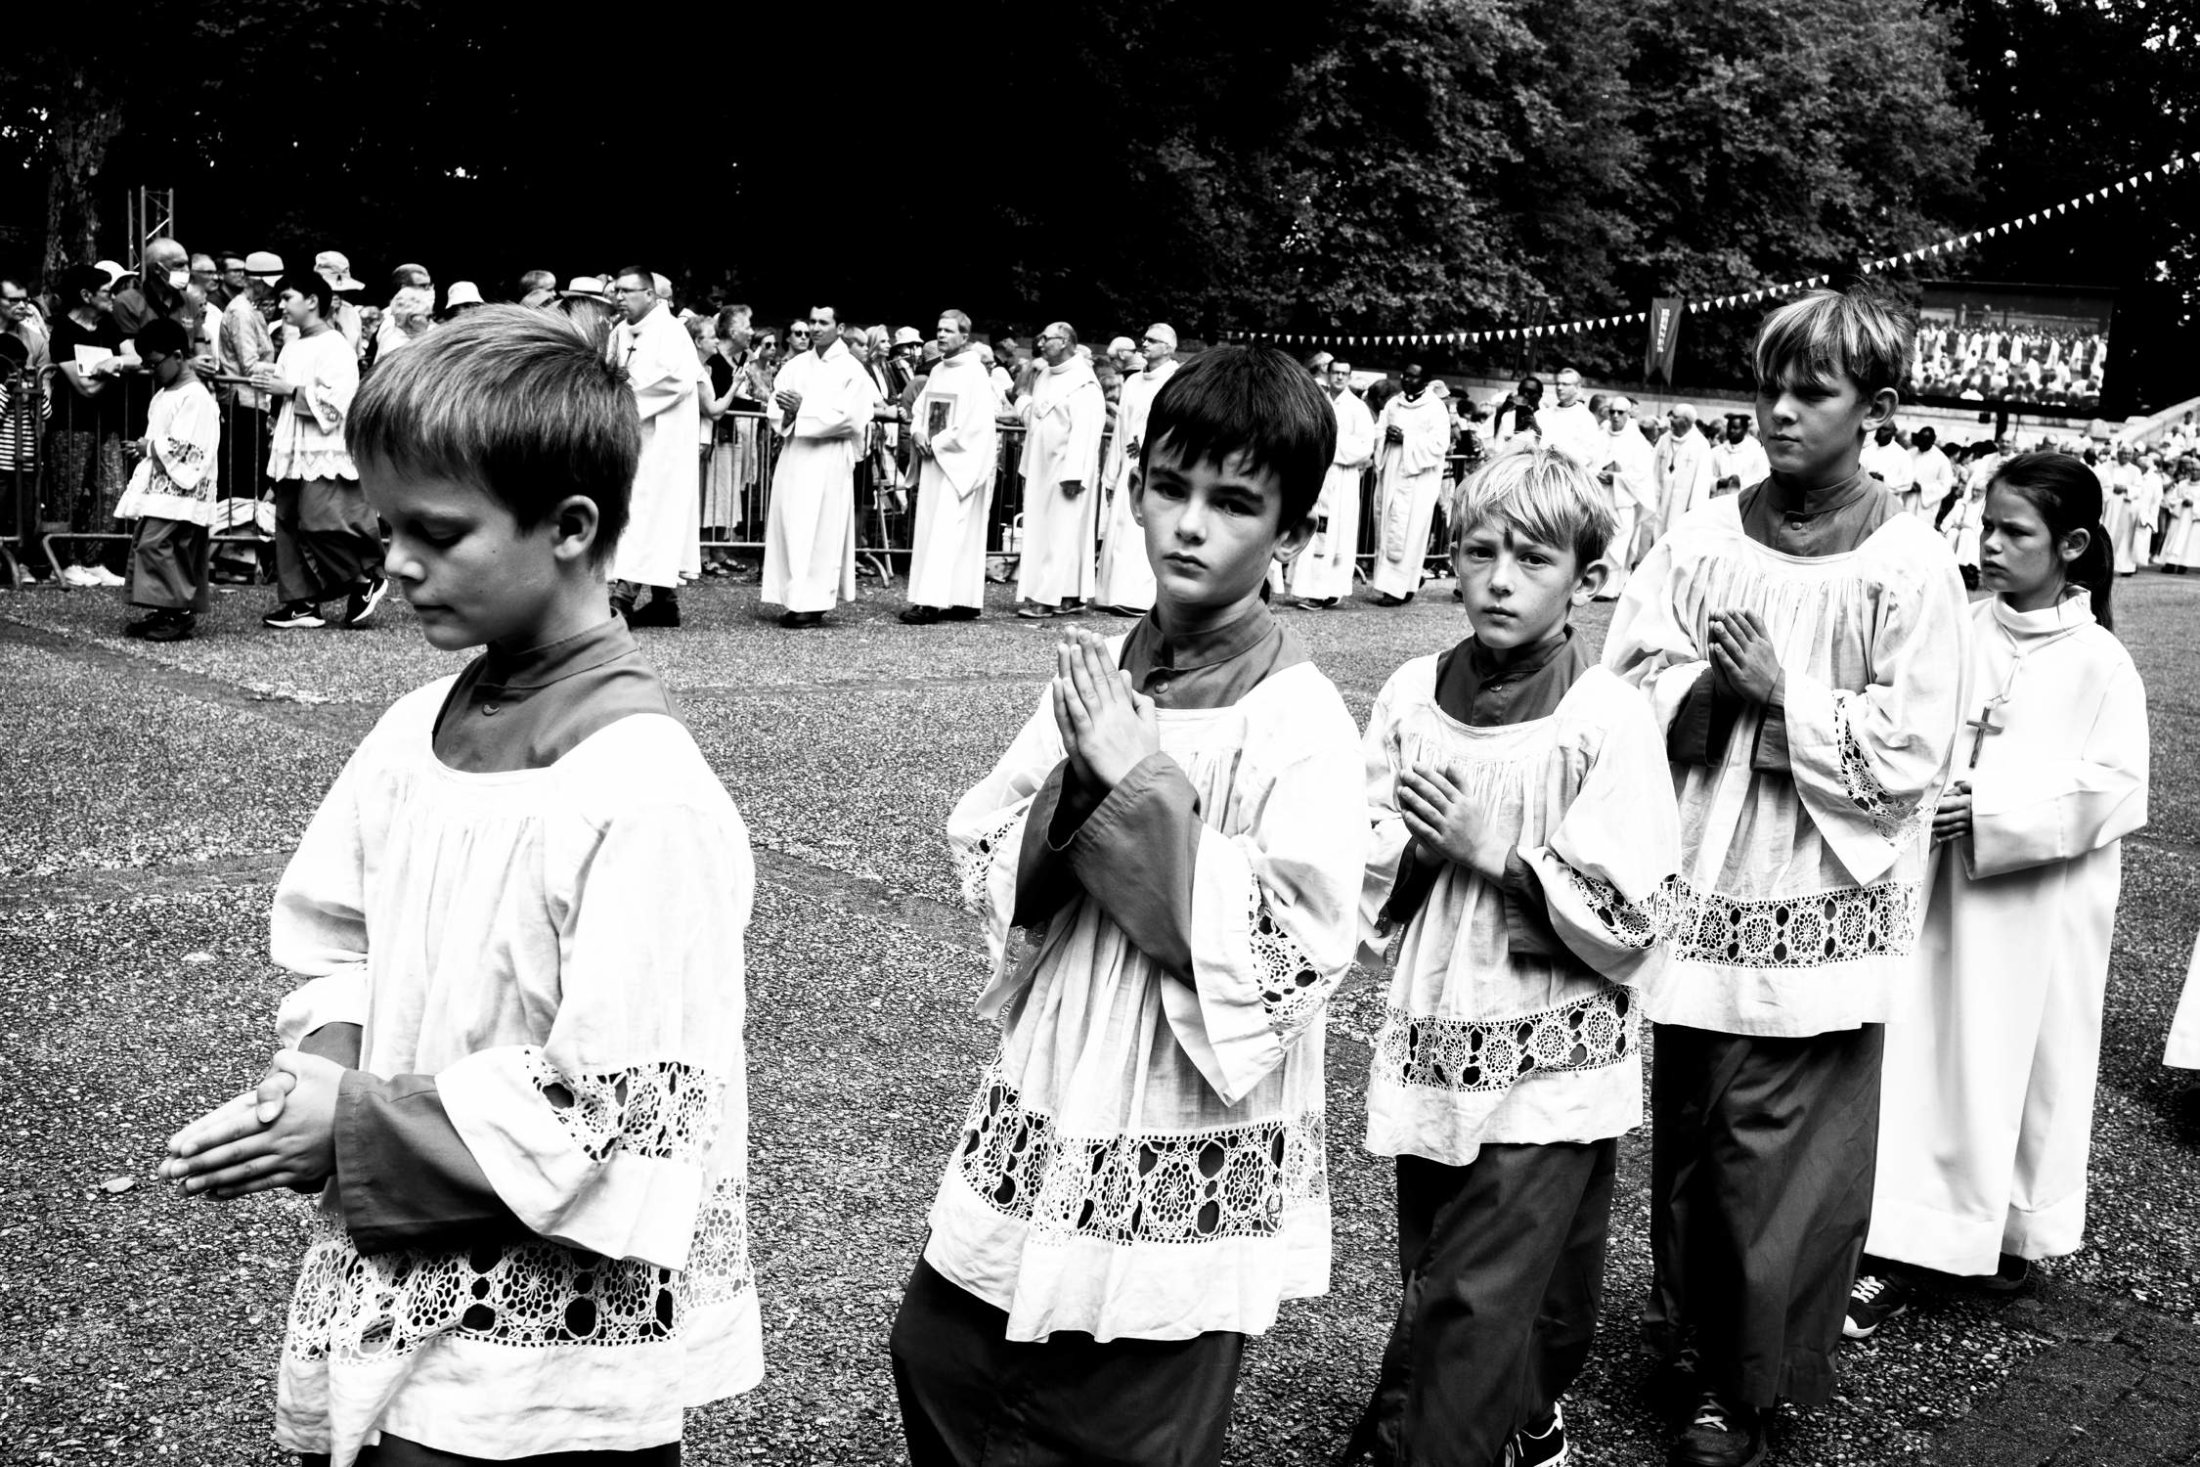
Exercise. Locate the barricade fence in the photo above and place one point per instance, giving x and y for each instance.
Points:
(63, 468)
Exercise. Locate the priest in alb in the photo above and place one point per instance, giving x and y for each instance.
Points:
(1322, 575)
(1064, 415)
(956, 442)
(1627, 467)
(663, 534)
(1126, 584)
(1412, 439)
(821, 407)
(1684, 467)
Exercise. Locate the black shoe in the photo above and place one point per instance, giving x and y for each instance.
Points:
(662, 611)
(1723, 1434)
(797, 620)
(170, 626)
(1386, 599)
(1874, 1299)
(2010, 1275)
(365, 600)
(1545, 1448)
(143, 624)
(960, 613)
(921, 616)
(293, 614)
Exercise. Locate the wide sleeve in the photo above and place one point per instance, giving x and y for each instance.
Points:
(2032, 813)
(986, 830)
(1650, 645)
(1603, 868)
(1869, 766)
(318, 929)
(1088, 418)
(1428, 438)
(601, 1137)
(328, 392)
(658, 379)
(1275, 917)
(404, 1178)
(837, 405)
(192, 441)
(1355, 435)
(1383, 907)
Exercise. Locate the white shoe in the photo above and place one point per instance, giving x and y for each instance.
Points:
(101, 576)
(78, 576)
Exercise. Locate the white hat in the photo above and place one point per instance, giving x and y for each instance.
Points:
(589, 286)
(462, 293)
(335, 267)
(114, 272)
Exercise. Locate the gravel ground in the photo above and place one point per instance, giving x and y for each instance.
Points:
(138, 1327)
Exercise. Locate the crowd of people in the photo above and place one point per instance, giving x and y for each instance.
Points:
(2029, 365)
(1805, 780)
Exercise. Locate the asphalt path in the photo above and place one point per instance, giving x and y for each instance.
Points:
(150, 794)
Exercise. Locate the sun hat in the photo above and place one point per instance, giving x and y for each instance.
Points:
(335, 267)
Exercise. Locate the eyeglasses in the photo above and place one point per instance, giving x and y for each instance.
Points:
(636, 289)
(1152, 341)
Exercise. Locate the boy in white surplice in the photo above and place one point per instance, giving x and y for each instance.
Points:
(1178, 830)
(1523, 827)
(514, 1070)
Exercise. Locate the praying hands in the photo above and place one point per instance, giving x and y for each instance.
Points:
(1952, 821)
(1742, 657)
(1439, 815)
(281, 1134)
(1106, 727)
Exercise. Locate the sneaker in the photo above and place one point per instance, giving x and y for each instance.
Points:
(1722, 1434)
(1545, 1448)
(1036, 611)
(2012, 1274)
(101, 576)
(79, 576)
(364, 600)
(1874, 1299)
(292, 614)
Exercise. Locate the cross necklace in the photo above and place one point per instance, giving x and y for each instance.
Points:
(1984, 724)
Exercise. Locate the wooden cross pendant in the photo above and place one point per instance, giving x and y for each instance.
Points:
(1984, 724)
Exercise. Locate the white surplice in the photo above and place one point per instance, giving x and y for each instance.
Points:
(1932, 475)
(663, 533)
(810, 529)
(1744, 463)
(1573, 429)
(1890, 463)
(1126, 576)
(1409, 479)
(1987, 1107)
(175, 480)
(1063, 419)
(954, 483)
(2181, 543)
(1323, 570)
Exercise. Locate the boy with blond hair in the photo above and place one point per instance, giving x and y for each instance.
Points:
(1522, 830)
(1802, 646)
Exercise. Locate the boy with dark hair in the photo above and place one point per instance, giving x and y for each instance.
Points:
(1178, 828)
(1523, 830)
(172, 489)
(1802, 645)
(514, 1071)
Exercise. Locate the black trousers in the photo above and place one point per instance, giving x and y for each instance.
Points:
(168, 564)
(327, 540)
(1503, 1266)
(397, 1452)
(971, 1396)
(1761, 1158)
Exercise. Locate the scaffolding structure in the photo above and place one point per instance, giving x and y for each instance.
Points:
(152, 215)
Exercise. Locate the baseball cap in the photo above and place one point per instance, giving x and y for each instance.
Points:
(335, 267)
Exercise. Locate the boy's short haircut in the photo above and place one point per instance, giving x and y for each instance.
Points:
(313, 286)
(1543, 494)
(1828, 335)
(1249, 400)
(163, 335)
(516, 402)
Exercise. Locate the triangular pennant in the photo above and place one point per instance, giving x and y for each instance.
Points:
(2148, 175)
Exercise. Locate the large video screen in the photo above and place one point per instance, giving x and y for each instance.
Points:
(2040, 347)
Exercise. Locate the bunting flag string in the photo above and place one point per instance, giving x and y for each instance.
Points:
(1729, 301)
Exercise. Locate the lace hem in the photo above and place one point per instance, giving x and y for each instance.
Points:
(974, 862)
(1491, 1054)
(1237, 1182)
(666, 1110)
(311, 463)
(539, 1295)
(1291, 988)
(1626, 923)
(1894, 820)
(1806, 931)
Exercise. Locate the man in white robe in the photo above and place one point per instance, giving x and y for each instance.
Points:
(1570, 425)
(1063, 415)
(1932, 475)
(1886, 460)
(1413, 437)
(662, 536)
(821, 409)
(1322, 575)
(1737, 460)
(956, 442)
(1126, 585)
(1628, 470)
(1684, 467)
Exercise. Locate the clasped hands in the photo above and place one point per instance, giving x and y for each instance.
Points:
(1742, 658)
(1439, 816)
(282, 1133)
(1952, 820)
(1107, 726)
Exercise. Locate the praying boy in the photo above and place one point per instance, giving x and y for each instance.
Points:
(514, 1071)
(1178, 830)
(1802, 645)
(1523, 828)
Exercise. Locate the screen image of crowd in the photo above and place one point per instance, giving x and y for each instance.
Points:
(2023, 349)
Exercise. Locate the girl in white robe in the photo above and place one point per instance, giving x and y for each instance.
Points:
(1988, 1087)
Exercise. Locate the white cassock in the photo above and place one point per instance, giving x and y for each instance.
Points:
(1126, 576)
(2181, 543)
(1634, 492)
(1684, 476)
(2137, 551)
(1987, 1102)
(1932, 475)
(2183, 1050)
(1891, 465)
(1573, 428)
(1409, 478)
(954, 483)
(810, 528)
(1323, 570)
(1744, 462)
(663, 532)
(2117, 515)
(1063, 419)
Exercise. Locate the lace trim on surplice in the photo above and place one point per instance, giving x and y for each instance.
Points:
(1806, 931)
(665, 1110)
(1491, 1054)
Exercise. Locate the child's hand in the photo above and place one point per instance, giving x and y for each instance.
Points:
(231, 1151)
(1741, 653)
(1952, 821)
(1438, 815)
(1106, 727)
